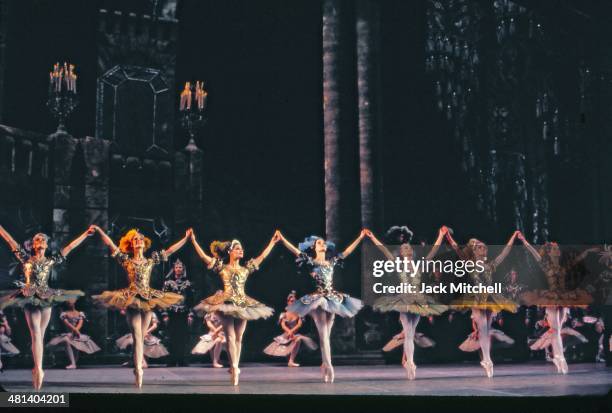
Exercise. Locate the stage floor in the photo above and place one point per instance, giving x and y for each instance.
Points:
(531, 379)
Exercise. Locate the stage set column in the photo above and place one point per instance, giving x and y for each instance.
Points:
(350, 105)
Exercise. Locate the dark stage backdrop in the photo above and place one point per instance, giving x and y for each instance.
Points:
(263, 144)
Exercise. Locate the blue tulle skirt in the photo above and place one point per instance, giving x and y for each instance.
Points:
(339, 303)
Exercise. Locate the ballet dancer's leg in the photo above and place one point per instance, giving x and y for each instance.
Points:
(483, 319)
(134, 318)
(70, 354)
(230, 335)
(294, 352)
(33, 317)
(409, 324)
(321, 322)
(555, 317)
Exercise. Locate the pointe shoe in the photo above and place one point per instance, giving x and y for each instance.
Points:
(35, 379)
(71, 367)
(488, 367)
(138, 377)
(217, 365)
(324, 373)
(410, 370)
(292, 364)
(235, 376)
(331, 374)
(560, 364)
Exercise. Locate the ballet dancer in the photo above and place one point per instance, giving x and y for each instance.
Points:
(234, 307)
(318, 257)
(557, 299)
(34, 295)
(288, 343)
(6, 345)
(138, 299)
(410, 306)
(214, 341)
(483, 306)
(73, 322)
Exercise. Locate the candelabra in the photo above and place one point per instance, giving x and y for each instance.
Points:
(192, 106)
(62, 99)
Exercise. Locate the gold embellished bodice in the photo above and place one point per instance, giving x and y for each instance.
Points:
(234, 280)
(555, 276)
(139, 272)
(37, 271)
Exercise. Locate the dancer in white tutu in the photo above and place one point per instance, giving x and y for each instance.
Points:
(288, 343)
(420, 340)
(234, 307)
(319, 258)
(153, 347)
(472, 342)
(6, 346)
(73, 339)
(213, 341)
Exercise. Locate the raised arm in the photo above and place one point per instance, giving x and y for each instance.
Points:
(9, 240)
(502, 255)
(207, 260)
(77, 241)
(275, 238)
(179, 244)
(434, 250)
(584, 254)
(379, 245)
(454, 245)
(354, 244)
(529, 247)
(294, 250)
(106, 239)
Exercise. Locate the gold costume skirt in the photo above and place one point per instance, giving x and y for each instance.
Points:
(492, 302)
(36, 296)
(246, 309)
(556, 298)
(145, 300)
(419, 304)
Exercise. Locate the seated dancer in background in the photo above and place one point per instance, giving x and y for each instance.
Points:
(410, 306)
(153, 347)
(234, 307)
(6, 346)
(483, 306)
(319, 258)
(557, 298)
(138, 300)
(35, 296)
(288, 343)
(420, 340)
(214, 341)
(178, 317)
(472, 342)
(73, 322)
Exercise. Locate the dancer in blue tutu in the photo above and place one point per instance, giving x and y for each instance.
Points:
(319, 258)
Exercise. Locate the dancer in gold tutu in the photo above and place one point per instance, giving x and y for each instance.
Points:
(483, 306)
(557, 299)
(232, 305)
(410, 306)
(35, 296)
(138, 299)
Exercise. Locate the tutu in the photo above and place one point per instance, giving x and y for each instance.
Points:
(569, 336)
(471, 343)
(35, 291)
(336, 303)
(7, 347)
(145, 300)
(557, 298)
(233, 301)
(420, 304)
(36, 296)
(82, 343)
(153, 347)
(492, 302)
(138, 295)
(282, 345)
(206, 343)
(253, 311)
(420, 340)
